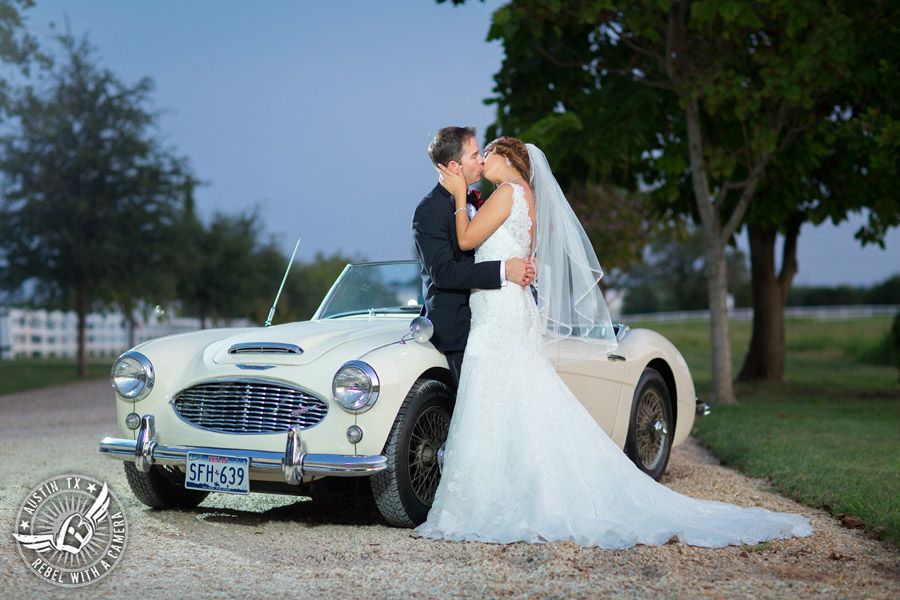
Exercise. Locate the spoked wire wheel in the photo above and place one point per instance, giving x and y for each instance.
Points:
(428, 435)
(651, 429)
(404, 491)
(652, 425)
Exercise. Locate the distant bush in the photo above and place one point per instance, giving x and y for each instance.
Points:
(895, 339)
(842, 295)
(886, 292)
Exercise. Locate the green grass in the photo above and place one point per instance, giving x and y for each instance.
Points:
(827, 436)
(31, 373)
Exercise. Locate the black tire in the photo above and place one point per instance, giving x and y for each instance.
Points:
(652, 425)
(404, 491)
(162, 487)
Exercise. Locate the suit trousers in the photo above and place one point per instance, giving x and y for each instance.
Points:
(454, 360)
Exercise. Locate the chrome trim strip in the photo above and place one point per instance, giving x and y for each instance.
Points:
(337, 282)
(265, 348)
(330, 293)
(294, 464)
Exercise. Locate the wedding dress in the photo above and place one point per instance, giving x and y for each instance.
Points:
(524, 461)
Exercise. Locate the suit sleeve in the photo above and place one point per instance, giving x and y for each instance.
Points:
(431, 234)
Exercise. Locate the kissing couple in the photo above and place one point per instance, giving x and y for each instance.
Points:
(524, 460)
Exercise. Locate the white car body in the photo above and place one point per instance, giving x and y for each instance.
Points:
(151, 431)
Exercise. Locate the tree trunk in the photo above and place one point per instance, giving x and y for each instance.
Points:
(716, 263)
(765, 360)
(82, 326)
(132, 325)
(720, 340)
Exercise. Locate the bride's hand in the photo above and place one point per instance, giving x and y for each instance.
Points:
(454, 182)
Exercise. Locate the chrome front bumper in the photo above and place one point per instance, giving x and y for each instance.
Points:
(293, 463)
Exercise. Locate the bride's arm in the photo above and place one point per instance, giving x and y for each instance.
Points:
(495, 210)
(489, 217)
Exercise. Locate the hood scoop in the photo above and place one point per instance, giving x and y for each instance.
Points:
(267, 348)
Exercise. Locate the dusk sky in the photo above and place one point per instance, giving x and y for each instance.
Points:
(321, 112)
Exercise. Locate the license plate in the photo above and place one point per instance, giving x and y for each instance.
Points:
(215, 473)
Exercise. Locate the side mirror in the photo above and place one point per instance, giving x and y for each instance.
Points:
(421, 329)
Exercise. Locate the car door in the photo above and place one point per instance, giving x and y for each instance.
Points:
(597, 382)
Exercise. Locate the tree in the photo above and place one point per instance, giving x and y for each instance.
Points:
(219, 269)
(17, 46)
(160, 252)
(847, 162)
(886, 292)
(671, 277)
(699, 98)
(895, 341)
(87, 187)
(615, 215)
(307, 285)
(226, 271)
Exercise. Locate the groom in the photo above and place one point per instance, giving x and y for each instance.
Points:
(448, 273)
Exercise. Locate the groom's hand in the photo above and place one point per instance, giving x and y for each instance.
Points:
(520, 271)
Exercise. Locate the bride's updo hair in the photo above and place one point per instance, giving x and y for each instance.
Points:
(514, 149)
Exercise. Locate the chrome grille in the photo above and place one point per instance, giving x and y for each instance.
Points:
(265, 348)
(248, 406)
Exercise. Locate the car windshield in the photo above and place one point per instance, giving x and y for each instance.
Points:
(375, 288)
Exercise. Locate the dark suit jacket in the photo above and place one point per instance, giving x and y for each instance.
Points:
(448, 273)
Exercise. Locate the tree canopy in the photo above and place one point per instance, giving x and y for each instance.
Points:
(700, 101)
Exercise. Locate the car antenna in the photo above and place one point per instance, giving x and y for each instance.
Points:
(281, 287)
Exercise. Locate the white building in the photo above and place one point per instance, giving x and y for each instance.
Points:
(27, 333)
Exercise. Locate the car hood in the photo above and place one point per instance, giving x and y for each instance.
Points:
(299, 343)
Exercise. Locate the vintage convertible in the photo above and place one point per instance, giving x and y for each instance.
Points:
(354, 392)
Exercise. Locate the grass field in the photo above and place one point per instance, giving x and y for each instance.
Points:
(32, 373)
(829, 435)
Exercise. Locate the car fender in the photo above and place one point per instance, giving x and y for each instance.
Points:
(644, 348)
(398, 367)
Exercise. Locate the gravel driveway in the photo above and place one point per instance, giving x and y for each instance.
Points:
(278, 546)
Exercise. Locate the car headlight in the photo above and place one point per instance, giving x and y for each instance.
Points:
(132, 376)
(355, 386)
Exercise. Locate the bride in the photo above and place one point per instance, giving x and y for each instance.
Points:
(524, 461)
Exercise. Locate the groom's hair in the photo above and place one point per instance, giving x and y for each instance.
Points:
(448, 144)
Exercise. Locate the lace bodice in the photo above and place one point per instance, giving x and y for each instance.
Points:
(509, 312)
(513, 238)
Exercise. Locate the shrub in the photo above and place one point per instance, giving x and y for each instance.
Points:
(895, 340)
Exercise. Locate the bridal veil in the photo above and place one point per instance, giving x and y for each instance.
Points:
(570, 301)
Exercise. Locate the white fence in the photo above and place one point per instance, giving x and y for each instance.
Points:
(791, 312)
(50, 334)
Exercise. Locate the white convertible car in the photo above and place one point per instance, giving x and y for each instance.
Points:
(354, 392)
